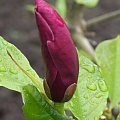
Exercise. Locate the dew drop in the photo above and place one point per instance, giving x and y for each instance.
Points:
(2, 69)
(102, 86)
(89, 76)
(83, 116)
(4, 42)
(10, 45)
(92, 86)
(84, 111)
(86, 96)
(92, 102)
(13, 71)
(89, 68)
(28, 69)
(98, 95)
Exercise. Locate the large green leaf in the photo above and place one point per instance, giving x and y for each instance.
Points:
(91, 94)
(108, 58)
(88, 3)
(37, 108)
(15, 70)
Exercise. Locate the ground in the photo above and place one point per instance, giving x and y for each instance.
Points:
(18, 26)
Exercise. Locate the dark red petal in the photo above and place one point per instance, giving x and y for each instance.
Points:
(58, 89)
(44, 29)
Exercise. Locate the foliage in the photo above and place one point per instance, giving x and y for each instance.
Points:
(91, 94)
(18, 75)
(37, 108)
(108, 58)
(11, 76)
(88, 3)
(95, 84)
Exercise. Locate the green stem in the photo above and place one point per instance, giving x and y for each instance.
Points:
(59, 107)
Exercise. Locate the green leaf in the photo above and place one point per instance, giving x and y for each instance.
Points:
(108, 58)
(61, 7)
(88, 3)
(118, 118)
(37, 108)
(91, 94)
(15, 70)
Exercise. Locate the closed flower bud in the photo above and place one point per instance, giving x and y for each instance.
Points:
(59, 53)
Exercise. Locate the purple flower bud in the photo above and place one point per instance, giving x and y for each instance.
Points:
(59, 53)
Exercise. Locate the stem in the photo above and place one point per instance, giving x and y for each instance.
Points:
(104, 17)
(83, 43)
(59, 107)
(79, 26)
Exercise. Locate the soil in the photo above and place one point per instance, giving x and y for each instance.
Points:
(18, 26)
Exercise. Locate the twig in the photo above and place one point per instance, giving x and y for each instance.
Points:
(78, 27)
(83, 43)
(104, 17)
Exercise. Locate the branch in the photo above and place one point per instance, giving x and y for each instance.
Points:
(83, 43)
(104, 17)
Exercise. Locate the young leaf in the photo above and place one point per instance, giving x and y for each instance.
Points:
(30, 8)
(88, 3)
(91, 94)
(108, 58)
(15, 70)
(37, 108)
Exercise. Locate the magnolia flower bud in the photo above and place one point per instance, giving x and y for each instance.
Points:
(59, 53)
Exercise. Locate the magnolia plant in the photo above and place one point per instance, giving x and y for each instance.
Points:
(59, 53)
(73, 84)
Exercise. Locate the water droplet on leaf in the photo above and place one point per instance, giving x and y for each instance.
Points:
(86, 96)
(28, 69)
(92, 86)
(98, 95)
(102, 86)
(10, 45)
(83, 116)
(19, 57)
(84, 112)
(2, 69)
(89, 68)
(13, 71)
(89, 76)
(4, 42)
